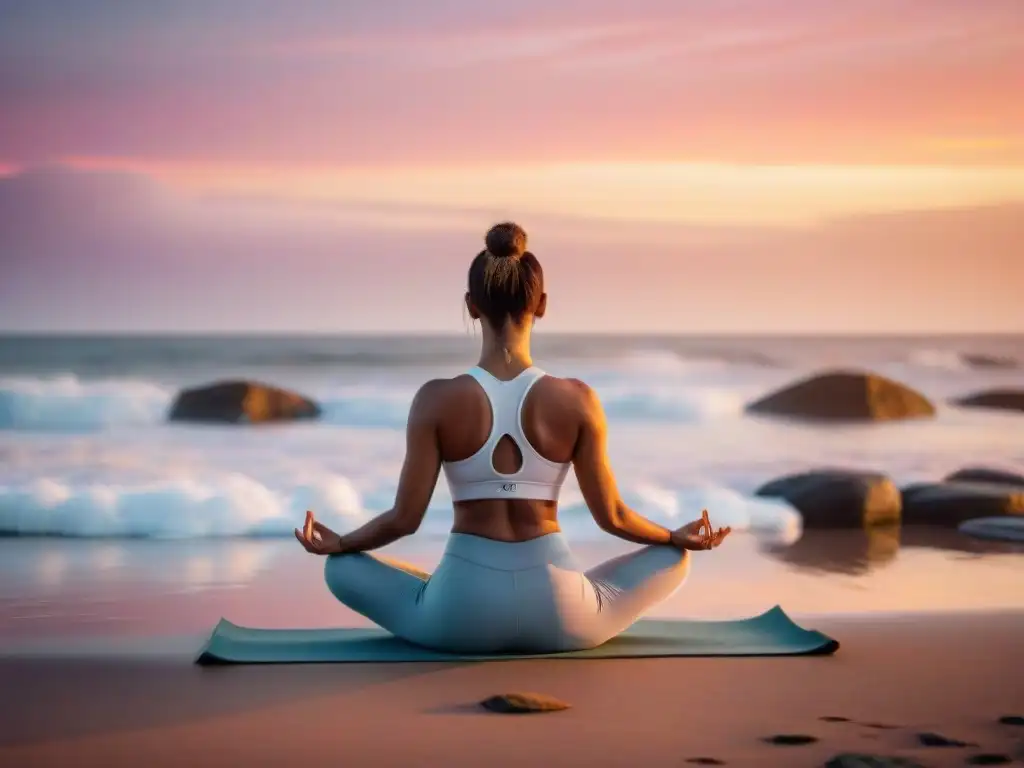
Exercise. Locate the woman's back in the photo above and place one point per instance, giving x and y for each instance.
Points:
(550, 420)
(505, 434)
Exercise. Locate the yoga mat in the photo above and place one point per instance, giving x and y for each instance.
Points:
(772, 633)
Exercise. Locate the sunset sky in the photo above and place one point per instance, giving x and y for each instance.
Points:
(681, 166)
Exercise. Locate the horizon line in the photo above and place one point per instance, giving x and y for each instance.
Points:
(382, 334)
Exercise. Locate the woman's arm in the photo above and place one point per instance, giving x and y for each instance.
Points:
(597, 483)
(415, 485)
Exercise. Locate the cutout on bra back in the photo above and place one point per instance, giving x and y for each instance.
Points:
(512, 455)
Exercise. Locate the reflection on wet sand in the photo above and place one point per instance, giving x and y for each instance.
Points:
(855, 552)
(62, 564)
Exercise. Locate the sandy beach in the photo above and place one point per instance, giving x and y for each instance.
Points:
(616, 270)
(893, 678)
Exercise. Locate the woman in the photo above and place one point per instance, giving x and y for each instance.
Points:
(505, 434)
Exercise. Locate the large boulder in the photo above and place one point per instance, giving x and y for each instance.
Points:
(241, 402)
(954, 503)
(985, 475)
(845, 396)
(999, 399)
(838, 498)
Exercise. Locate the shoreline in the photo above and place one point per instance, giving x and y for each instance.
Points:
(182, 647)
(945, 674)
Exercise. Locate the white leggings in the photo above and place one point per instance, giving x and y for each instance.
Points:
(507, 597)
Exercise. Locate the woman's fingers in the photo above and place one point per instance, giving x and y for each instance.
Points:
(305, 544)
(322, 529)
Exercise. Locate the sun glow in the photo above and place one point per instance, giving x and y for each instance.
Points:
(699, 193)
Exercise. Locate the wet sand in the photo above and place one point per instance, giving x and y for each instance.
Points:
(954, 675)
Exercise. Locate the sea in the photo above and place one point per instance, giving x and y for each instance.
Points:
(115, 522)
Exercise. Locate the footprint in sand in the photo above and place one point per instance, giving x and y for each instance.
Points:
(989, 759)
(791, 739)
(870, 761)
(938, 740)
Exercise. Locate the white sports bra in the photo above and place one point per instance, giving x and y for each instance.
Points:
(476, 477)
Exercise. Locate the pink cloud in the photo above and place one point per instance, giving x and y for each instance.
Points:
(748, 81)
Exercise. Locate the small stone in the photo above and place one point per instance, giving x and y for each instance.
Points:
(1011, 720)
(517, 703)
(989, 759)
(834, 719)
(705, 761)
(791, 739)
(880, 726)
(870, 761)
(938, 740)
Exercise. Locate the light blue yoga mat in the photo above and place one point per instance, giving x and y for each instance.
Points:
(772, 633)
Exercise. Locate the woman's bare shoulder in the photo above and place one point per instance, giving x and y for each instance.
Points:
(439, 393)
(569, 392)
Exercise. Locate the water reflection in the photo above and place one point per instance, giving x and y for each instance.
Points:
(29, 565)
(856, 552)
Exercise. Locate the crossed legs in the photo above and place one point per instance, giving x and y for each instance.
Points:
(390, 592)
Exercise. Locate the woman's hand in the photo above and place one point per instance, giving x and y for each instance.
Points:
(699, 535)
(316, 538)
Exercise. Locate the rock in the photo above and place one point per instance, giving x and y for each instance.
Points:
(954, 503)
(981, 360)
(938, 740)
(836, 498)
(985, 475)
(1000, 399)
(705, 761)
(989, 758)
(995, 528)
(870, 761)
(834, 719)
(1011, 720)
(791, 739)
(845, 396)
(517, 703)
(881, 726)
(235, 402)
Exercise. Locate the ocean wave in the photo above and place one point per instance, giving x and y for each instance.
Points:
(67, 404)
(772, 519)
(936, 358)
(137, 355)
(677, 405)
(233, 505)
(951, 360)
(64, 403)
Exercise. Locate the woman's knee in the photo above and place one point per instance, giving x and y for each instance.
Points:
(670, 567)
(682, 564)
(668, 563)
(343, 574)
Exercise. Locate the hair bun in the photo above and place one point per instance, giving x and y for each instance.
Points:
(506, 240)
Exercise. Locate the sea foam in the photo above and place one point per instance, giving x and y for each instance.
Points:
(68, 404)
(234, 504)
